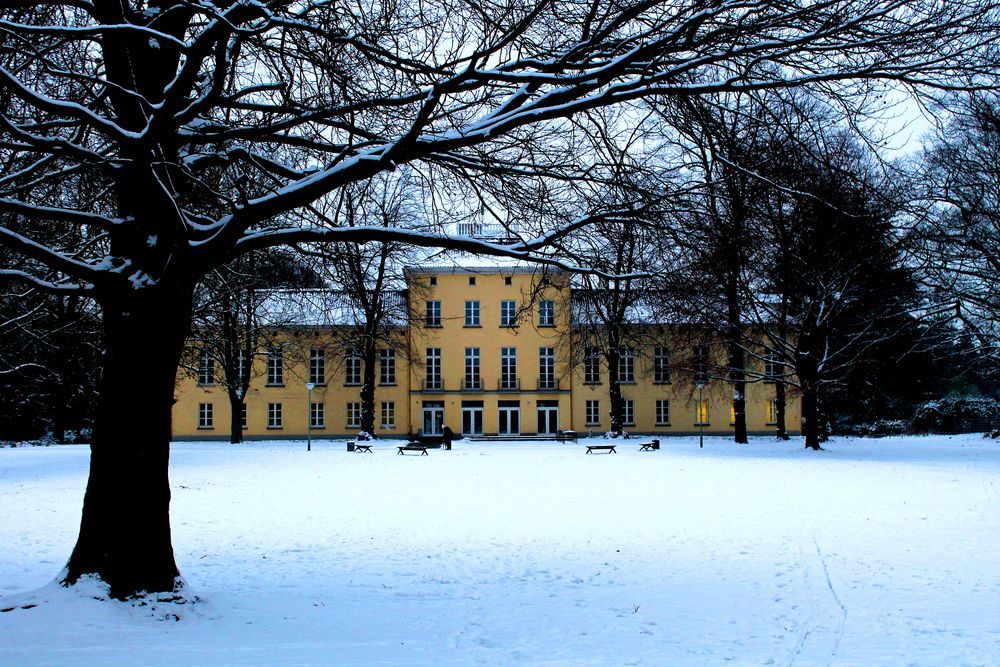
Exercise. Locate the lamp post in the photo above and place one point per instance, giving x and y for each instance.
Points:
(701, 417)
(309, 421)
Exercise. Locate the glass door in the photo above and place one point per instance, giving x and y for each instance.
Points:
(509, 418)
(433, 417)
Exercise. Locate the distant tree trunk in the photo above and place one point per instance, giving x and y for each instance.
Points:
(810, 417)
(369, 355)
(235, 417)
(781, 431)
(125, 526)
(737, 367)
(615, 388)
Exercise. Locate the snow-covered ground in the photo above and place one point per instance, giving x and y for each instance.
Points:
(874, 552)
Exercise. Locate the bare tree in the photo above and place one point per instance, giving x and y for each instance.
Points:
(204, 130)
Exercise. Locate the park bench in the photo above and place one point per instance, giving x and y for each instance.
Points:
(563, 436)
(650, 446)
(358, 447)
(609, 449)
(412, 448)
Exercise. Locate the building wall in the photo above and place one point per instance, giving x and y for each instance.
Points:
(563, 405)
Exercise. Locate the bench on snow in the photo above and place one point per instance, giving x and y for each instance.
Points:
(650, 446)
(609, 449)
(412, 448)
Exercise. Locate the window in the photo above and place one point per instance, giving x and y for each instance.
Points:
(773, 368)
(433, 280)
(508, 313)
(472, 368)
(387, 366)
(388, 414)
(591, 366)
(353, 415)
(701, 413)
(352, 368)
(508, 368)
(243, 416)
(317, 416)
(206, 367)
(275, 368)
(626, 365)
(700, 365)
(472, 280)
(547, 368)
(205, 416)
(662, 412)
(593, 413)
(772, 411)
(546, 313)
(433, 380)
(472, 313)
(628, 412)
(317, 366)
(507, 280)
(433, 314)
(274, 415)
(661, 365)
(732, 413)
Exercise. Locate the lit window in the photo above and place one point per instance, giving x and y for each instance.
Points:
(387, 366)
(732, 413)
(772, 411)
(275, 368)
(353, 415)
(317, 416)
(352, 368)
(628, 412)
(593, 412)
(388, 414)
(206, 367)
(662, 412)
(205, 416)
(472, 313)
(547, 313)
(274, 415)
(317, 366)
(508, 313)
(661, 365)
(433, 318)
(701, 413)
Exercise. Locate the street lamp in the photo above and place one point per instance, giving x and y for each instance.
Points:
(701, 416)
(309, 421)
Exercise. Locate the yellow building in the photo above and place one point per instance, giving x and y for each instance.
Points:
(489, 349)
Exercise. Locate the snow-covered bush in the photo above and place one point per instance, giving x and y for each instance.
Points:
(957, 415)
(363, 437)
(874, 429)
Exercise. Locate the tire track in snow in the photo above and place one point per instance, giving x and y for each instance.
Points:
(807, 647)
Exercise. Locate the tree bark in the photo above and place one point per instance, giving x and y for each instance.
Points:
(615, 388)
(369, 354)
(125, 526)
(781, 431)
(810, 417)
(235, 418)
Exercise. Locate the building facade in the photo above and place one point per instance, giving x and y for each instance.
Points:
(487, 350)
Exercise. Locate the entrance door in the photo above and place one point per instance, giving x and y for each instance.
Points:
(472, 417)
(548, 417)
(433, 417)
(509, 422)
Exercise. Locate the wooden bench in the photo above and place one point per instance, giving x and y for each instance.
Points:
(610, 449)
(412, 448)
(563, 436)
(358, 447)
(650, 446)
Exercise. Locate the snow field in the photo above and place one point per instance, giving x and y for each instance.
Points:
(874, 552)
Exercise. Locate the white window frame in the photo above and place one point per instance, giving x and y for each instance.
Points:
(317, 415)
(317, 366)
(626, 365)
(387, 366)
(591, 366)
(274, 420)
(433, 368)
(663, 412)
(206, 368)
(508, 368)
(546, 313)
(628, 412)
(353, 414)
(472, 313)
(547, 368)
(388, 414)
(352, 369)
(473, 379)
(661, 365)
(508, 313)
(206, 416)
(275, 369)
(592, 412)
(433, 315)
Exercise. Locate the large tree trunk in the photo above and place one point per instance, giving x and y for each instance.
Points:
(810, 417)
(780, 430)
(125, 528)
(737, 370)
(235, 418)
(369, 354)
(615, 390)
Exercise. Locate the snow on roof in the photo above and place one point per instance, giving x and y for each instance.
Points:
(320, 307)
